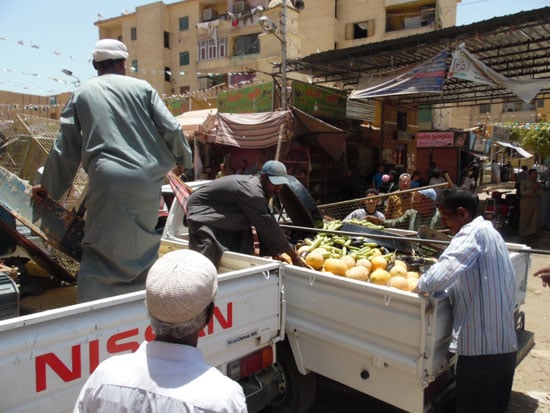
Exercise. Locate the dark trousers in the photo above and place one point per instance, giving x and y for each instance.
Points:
(484, 383)
(212, 242)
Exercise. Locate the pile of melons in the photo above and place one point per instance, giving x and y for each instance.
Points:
(377, 268)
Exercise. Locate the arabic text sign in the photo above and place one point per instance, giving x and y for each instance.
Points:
(434, 139)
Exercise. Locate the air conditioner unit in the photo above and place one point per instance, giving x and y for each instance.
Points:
(209, 14)
(240, 6)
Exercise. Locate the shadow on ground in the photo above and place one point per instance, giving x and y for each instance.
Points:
(522, 403)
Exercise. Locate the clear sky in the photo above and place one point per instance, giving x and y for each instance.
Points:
(39, 39)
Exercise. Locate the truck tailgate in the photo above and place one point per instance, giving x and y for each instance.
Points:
(46, 357)
(384, 342)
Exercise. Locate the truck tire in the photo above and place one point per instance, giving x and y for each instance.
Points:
(296, 391)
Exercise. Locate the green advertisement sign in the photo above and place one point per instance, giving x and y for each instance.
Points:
(252, 99)
(319, 101)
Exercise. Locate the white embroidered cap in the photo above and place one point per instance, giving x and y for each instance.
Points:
(180, 285)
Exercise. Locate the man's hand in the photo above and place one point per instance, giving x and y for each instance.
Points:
(544, 275)
(296, 259)
(178, 170)
(39, 194)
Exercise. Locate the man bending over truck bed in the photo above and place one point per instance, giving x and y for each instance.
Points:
(221, 213)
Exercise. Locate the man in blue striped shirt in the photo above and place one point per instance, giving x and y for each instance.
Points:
(476, 272)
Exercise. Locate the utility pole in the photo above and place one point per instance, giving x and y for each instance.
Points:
(283, 53)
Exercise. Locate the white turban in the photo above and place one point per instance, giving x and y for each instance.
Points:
(109, 49)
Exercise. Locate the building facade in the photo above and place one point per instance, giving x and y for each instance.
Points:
(197, 44)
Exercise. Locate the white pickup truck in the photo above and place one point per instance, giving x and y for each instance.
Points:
(276, 327)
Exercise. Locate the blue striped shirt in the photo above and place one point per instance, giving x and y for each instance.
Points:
(476, 272)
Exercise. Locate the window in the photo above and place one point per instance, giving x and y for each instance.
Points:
(410, 15)
(401, 121)
(184, 89)
(212, 49)
(166, 40)
(247, 45)
(134, 67)
(184, 58)
(184, 23)
(360, 30)
(518, 106)
(167, 74)
(133, 33)
(484, 108)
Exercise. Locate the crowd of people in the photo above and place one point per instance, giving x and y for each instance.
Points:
(402, 200)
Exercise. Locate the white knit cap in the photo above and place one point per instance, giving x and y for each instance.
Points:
(109, 49)
(180, 285)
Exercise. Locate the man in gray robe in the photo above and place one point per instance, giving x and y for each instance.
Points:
(127, 140)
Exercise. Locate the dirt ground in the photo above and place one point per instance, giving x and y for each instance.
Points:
(531, 390)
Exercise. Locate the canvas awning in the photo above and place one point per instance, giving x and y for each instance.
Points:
(261, 130)
(521, 152)
(200, 121)
(249, 130)
(330, 138)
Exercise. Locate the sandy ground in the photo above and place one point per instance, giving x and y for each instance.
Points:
(531, 390)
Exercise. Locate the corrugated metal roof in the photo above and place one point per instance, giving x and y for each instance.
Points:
(515, 46)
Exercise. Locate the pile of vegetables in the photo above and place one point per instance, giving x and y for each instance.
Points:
(360, 259)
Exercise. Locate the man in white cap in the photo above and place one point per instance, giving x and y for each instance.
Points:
(220, 215)
(126, 139)
(170, 373)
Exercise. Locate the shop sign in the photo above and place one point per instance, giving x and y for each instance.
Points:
(252, 99)
(434, 139)
(318, 101)
(457, 139)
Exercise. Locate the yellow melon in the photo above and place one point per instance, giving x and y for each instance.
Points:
(398, 270)
(376, 252)
(349, 260)
(401, 263)
(320, 250)
(399, 282)
(413, 282)
(378, 262)
(358, 273)
(379, 276)
(315, 260)
(336, 266)
(413, 274)
(364, 262)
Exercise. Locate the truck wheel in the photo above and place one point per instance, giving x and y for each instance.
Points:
(296, 391)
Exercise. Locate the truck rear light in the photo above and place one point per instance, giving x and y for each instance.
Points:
(250, 364)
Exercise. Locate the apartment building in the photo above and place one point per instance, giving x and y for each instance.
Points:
(197, 44)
